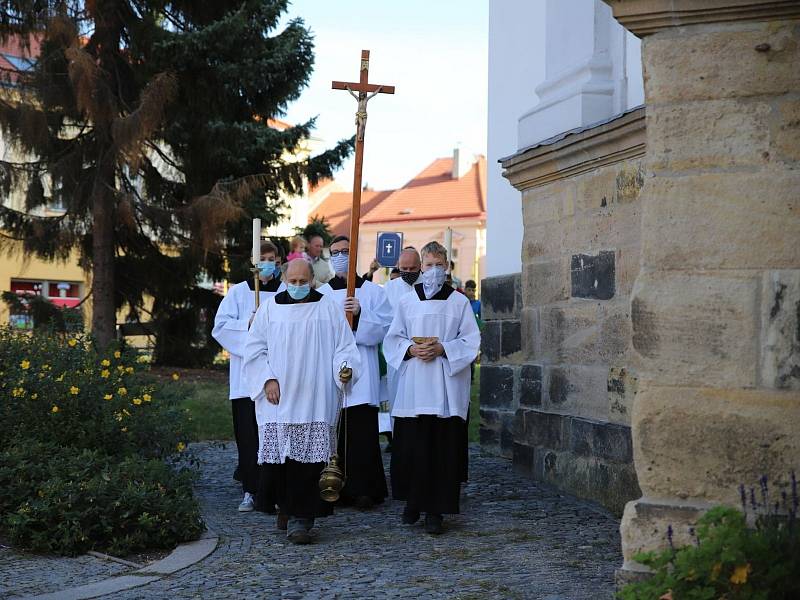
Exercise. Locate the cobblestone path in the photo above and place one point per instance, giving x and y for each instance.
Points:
(514, 539)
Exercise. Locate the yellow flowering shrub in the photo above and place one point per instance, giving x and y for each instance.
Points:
(63, 399)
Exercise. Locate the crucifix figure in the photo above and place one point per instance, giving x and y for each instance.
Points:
(363, 92)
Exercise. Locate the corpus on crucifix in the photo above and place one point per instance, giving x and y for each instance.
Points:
(363, 92)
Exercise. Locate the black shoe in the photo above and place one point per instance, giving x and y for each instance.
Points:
(298, 530)
(410, 516)
(282, 521)
(433, 524)
(364, 503)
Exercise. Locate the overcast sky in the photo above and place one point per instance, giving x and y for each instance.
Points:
(433, 51)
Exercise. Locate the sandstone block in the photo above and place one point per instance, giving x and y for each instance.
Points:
(530, 385)
(592, 276)
(723, 221)
(588, 232)
(531, 332)
(622, 388)
(696, 329)
(607, 441)
(497, 387)
(543, 204)
(545, 282)
(645, 523)
(576, 390)
(582, 332)
(700, 444)
(780, 330)
(611, 484)
(786, 131)
(490, 341)
(627, 266)
(511, 341)
(543, 429)
(608, 186)
(708, 134)
(722, 64)
(501, 297)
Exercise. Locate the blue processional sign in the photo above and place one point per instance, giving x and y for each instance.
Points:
(390, 244)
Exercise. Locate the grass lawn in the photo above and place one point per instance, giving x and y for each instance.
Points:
(474, 405)
(210, 409)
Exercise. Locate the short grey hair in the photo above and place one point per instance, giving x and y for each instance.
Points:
(434, 248)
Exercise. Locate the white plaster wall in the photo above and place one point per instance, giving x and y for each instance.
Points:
(575, 48)
(516, 66)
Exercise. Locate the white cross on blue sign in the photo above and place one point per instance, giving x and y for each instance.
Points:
(389, 245)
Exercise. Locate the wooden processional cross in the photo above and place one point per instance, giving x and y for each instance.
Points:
(363, 91)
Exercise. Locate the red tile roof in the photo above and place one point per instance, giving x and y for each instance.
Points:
(336, 208)
(434, 194)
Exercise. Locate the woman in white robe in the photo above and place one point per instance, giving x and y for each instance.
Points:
(295, 349)
(429, 449)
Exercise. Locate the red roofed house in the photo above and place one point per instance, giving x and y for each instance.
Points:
(450, 192)
(336, 207)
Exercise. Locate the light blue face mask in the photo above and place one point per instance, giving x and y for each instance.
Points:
(266, 268)
(340, 263)
(298, 292)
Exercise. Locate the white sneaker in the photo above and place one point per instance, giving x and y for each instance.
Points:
(247, 504)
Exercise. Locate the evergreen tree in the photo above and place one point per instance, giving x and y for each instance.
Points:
(151, 122)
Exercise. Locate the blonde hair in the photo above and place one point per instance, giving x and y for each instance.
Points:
(434, 248)
(298, 241)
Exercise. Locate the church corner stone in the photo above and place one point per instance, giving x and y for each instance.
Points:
(715, 305)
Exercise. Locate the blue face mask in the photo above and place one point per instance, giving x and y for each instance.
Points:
(266, 268)
(340, 263)
(298, 292)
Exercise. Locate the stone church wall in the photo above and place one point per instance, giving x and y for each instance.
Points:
(558, 373)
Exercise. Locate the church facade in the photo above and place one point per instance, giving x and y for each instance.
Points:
(645, 352)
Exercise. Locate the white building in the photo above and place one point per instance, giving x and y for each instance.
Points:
(554, 65)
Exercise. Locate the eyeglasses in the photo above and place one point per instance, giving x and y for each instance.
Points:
(344, 252)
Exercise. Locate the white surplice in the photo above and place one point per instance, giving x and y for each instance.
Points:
(395, 289)
(301, 345)
(373, 323)
(230, 326)
(440, 387)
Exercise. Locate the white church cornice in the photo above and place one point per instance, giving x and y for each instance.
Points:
(645, 17)
(577, 151)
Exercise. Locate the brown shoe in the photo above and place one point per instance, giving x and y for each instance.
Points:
(282, 521)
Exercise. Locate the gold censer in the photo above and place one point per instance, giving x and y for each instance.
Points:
(331, 480)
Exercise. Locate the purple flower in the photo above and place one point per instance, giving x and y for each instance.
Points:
(669, 536)
(753, 502)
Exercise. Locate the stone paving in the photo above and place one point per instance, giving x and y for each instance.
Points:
(514, 539)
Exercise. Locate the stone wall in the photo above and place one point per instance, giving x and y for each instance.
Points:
(557, 396)
(501, 344)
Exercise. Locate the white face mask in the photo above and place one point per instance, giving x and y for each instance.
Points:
(433, 280)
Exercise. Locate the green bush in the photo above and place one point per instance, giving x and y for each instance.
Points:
(59, 501)
(85, 438)
(59, 389)
(729, 559)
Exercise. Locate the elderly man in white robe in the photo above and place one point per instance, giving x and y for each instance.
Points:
(296, 349)
(234, 315)
(366, 481)
(431, 342)
(409, 265)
